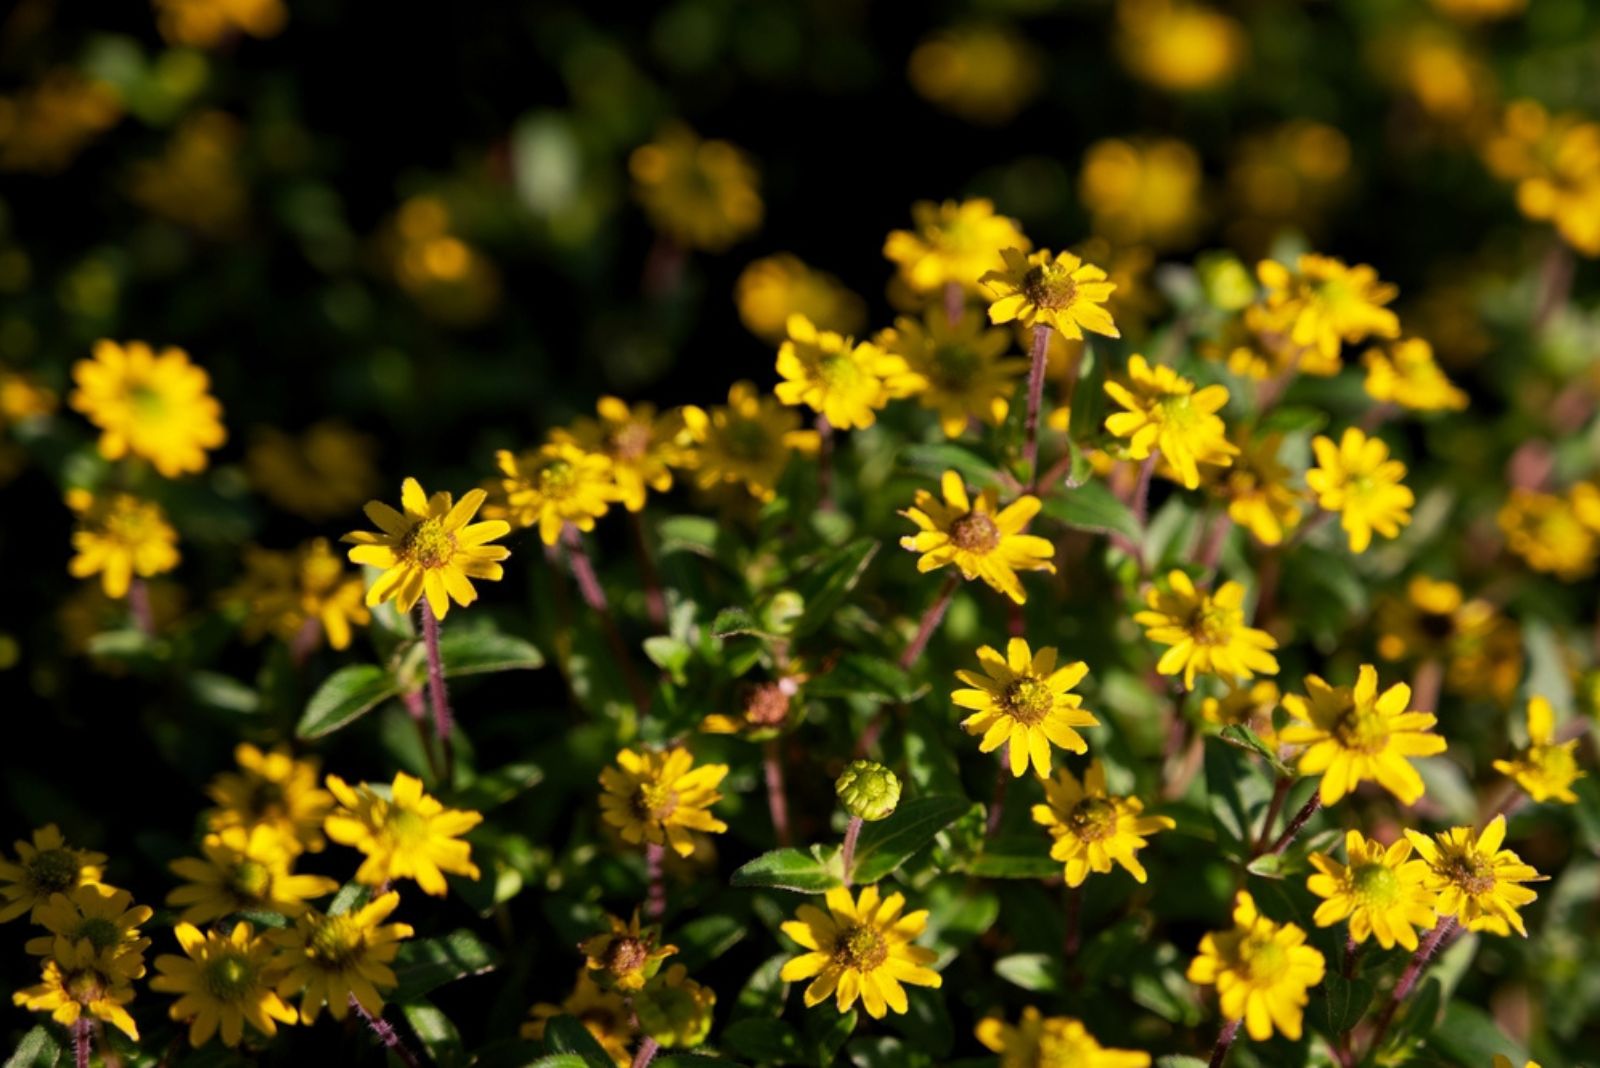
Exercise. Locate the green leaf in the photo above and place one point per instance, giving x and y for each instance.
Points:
(1037, 972)
(1468, 1035)
(493, 788)
(870, 677)
(731, 621)
(669, 654)
(887, 844)
(935, 460)
(1180, 1060)
(1291, 419)
(827, 584)
(1417, 1016)
(1242, 737)
(1092, 506)
(826, 1032)
(560, 1060)
(425, 965)
(351, 895)
(346, 696)
(481, 651)
(790, 869)
(1347, 1001)
(566, 1034)
(1014, 859)
(215, 690)
(436, 1033)
(705, 938)
(761, 1039)
(693, 1060)
(38, 1049)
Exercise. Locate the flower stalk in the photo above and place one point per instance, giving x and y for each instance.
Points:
(647, 1052)
(930, 622)
(847, 855)
(443, 721)
(1297, 824)
(1409, 978)
(1219, 1052)
(655, 902)
(386, 1034)
(594, 595)
(1037, 355)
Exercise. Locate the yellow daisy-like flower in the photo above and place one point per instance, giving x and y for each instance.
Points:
(327, 960)
(675, 1010)
(74, 984)
(860, 948)
(557, 484)
(1261, 970)
(117, 537)
(1060, 291)
(702, 194)
(244, 870)
(659, 797)
(432, 548)
(1480, 648)
(1166, 414)
(967, 380)
(308, 591)
(1478, 882)
(1549, 533)
(952, 243)
(1328, 302)
(1407, 374)
(1257, 344)
(1554, 163)
(1092, 827)
(1256, 487)
(1357, 479)
(981, 541)
(156, 407)
(102, 917)
(773, 288)
(1356, 734)
(44, 867)
(1206, 632)
(1246, 706)
(222, 981)
(1381, 891)
(641, 445)
(844, 380)
(408, 835)
(1023, 699)
(324, 472)
(626, 956)
(273, 790)
(1546, 769)
(1179, 45)
(1143, 191)
(746, 442)
(603, 1013)
(1037, 1040)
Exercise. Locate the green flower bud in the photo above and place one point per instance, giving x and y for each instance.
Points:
(868, 790)
(1227, 283)
(674, 1009)
(783, 611)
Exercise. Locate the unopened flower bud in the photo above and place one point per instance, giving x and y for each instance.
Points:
(868, 790)
(1226, 281)
(674, 1009)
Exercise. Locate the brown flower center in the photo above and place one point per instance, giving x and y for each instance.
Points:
(975, 532)
(1049, 286)
(1474, 874)
(428, 544)
(655, 801)
(630, 442)
(626, 955)
(862, 948)
(85, 987)
(1093, 819)
(53, 870)
(766, 705)
(1029, 699)
(335, 942)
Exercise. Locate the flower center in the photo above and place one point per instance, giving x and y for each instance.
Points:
(266, 797)
(631, 442)
(101, 933)
(1472, 873)
(1093, 819)
(655, 801)
(52, 871)
(250, 879)
(148, 403)
(335, 942)
(407, 825)
(975, 532)
(862, 948)
(1365, 730)
(85, 987)
(1375, 885)
(766, 705)
(1177, 410)
(1029, 699)
(626, 955)
(747, 439)
(1437, 626)
(1049, 286)
(954, 367)
(838, 371)
(428, 544)
(557, 478)
(1263, 959)
(228, 977)
(1211, 624)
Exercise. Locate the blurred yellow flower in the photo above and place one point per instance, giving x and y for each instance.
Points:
(674, 1010)
(967, 380)
(1478, 882)
(1023, 701)
(557, 484)
(451, 280)
(1038, 1040)
(76, 984)
(323, 472)
(223, 980)
(746, 442)
(332, 960)
(861, 947)
(196, 181)
(1248, 705)
(1179, 45)
(1060, 291)
(1284, 176)
(1480, 649)
(1450, 83)
(603, 1013)
(101, 917)
(1142, 191)
(1327, 302)
(1406, 374)
(627, 955)
(1166, 414)
(1554, 162)
(657, 798)
(209, 23)
(1256, 488)
(118, 537)
(1091, 827)
(301, 596)
(1357, 479)
(1380, 890)
(271, 789)
(701, 194)
(244, 871)
(1261, 969)
(642, 446)
(431, 547)
(952, 243)
(1206, 632)
(1257, 344)
(155, 406)
(407, 835)
(43, 127)
(984, 74)
(773, 288)
(1547, 768)
(1549, 533)
(839, 378)
(979, 539)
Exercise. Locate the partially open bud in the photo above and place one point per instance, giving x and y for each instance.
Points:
(868, 790)
(627, 956)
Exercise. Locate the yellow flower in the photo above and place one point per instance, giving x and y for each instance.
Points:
(1478, 882)
(1481, 650)
(1554, 161)
(773, 288)
(1256, 488)
(860, 948)
(1379, 890)
(1257, 344)
(1328, 302)
(330, 959)
(408, 835)
(432, 547)
(984, 74)
(1060, 291)
(101, 917)
(658, 798)
(208, 23)
(305, 592)
(321, 473)
(1246, 706)
(1037, 1040)
(1546, 769)
(1549, 534)
(1092, 828)
(603, 1013)
(842, 379)
(1143, 191)
(451, 281)
(1357, 479)
(1353, 735)
(1261, 970)
(1166, 414)
(967, 380)
(222, 980)
(746, 442)
(675, 1010)
(560, 483)
(1024, 701)
(1178, 45)
(952, 243)
(1408, 376)
(45, 125)
(642, 446)
(982, 542)
(272, 790)
(1476, 10)
(117, 537)
(626, 956)
(701, 194)
(243, 871)
(196, 181)
(44, 867)
(1206, 632)
(73, 984)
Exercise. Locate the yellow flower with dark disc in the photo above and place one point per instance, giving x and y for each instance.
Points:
(844, 380)
(1023, 701)
(603, 1013)
(1091, 828)
(659, 797)
(977, 536)
(626, 956)
(557, 484)
(101, 917)
(332, 960)
(273, 789)
(1478, 883)
(1058, 290)
(1357, 479)
(1166, 414)
(860, 948)
(244, 871)
(1328, 303)
(969, 380)
(44, 867)
(431, 547)
(952, 243)
(223, 981)
(747, 442)
(1206, 632)
(407, 835)
(75, 984)
(641, 444)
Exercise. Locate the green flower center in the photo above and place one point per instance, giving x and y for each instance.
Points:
(250, 879)
(1049, 286)
(1093, 819)
(862, 948)
(147, 403)
(655, 801)
(1177, 410)
(975, 532)
(228, 977)
(52, 871)
(558, 478)
(1365, 730)
(336, 941)
(1211, 624)
(1029, 699)
(101, 933)
(1554, 762)
(1375, 885)
(839, 371)
(428, 544)
(406, 824)
(1263, 959)
(955, 367)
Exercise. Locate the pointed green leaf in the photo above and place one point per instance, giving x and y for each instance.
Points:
(889, 843)
(1093, 507)
(429, 963)
(346, 696)
(789, 869)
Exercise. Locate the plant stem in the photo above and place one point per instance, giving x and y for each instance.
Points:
(955, 303)
(1030, 445)
(655, 902)
(595, 597)
(139, 607)
(930, 622)
(1555, 283)
(824, 464)
(386, 1034)
(1352, 955)
(997, 806)
(655, 601)
(1057, 476)
(1295, 825)
(1408, 979)
(1215, 537)
(1219, 1052)
(80, 1041)
(848, 855)
(777, 802)
(1425, 685)
(418, 709)
(1141, 491)
(305, 641)
(1280, 791)
(1074, 939)
(443, 721)
(647, 1052)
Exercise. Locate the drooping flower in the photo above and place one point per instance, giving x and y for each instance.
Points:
(953, 242)
(1092, 828)
(157, 407)
(327, 960)
(1355, 734)
(44, 867)
(1256, 488)
(703, 194)
(982, 541)
(1328, 302)
(1547, 768)
(432, 548)
(557, 484)
(968, 379)
(626, 956)
(1357, 479)
(408, 835)
(1060, 291)
(318, 474)
(243, 871)
(860, 948)
(1262, 971)
(1407, 374)
(773, 288)
(641, 445)
(1037, 1041)
(76, 983)
(1024, 701)
(222, 981)
(659, 797)
(603, 1013)
(291, 595)
(1166, 414)
(118, 536)
(1206, 631)
(844, 380)
(273, 790)
(1478, 883)
(1380, 890)
(746, 442)
(101, 917)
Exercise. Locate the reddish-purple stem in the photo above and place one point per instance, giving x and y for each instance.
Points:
(443, 721)
(655, 903)
(847, 856)
(930, 622)
(386, 1034)
(777, 802)
(1038, 355)
(1219, 1053)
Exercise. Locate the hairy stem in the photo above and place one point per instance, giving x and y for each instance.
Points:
(1219, 1052)
(1002, 780)
(655, 902)
(80, 1041)
(930, 622)
(595, 597)
(777, 801)
(647, 1052)
(1030, 445)
(1408, 979)
(386, 1034)
(1307, 810)
(655, 601)
(443, 721)
(955, 303)
(847, 856)
(139, 607)
(1280, 791)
